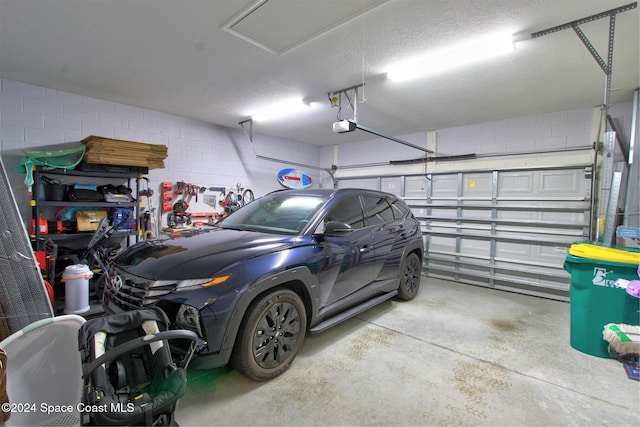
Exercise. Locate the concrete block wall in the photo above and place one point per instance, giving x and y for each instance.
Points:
(549, 131)
(38, 118)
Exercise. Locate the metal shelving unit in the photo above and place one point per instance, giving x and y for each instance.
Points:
(37, 200)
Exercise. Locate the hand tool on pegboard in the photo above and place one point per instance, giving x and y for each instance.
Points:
(148, 221)
(222, 190)
(179, 215)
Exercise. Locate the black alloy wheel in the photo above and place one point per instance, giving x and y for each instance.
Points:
(270, 336)
(411, 273)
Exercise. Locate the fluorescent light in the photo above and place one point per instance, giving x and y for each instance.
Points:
(281, 109)
(473, 50)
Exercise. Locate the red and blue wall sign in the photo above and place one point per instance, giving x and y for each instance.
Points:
(294, 178)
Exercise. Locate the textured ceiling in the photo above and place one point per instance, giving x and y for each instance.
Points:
(177, 57)
(268, 23)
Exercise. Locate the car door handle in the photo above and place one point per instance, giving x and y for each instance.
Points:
(365, 249)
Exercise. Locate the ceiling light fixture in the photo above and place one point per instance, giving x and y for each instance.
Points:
(281, 109)
(468, 52)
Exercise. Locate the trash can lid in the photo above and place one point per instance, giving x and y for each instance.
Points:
(605, 253)
(76, 269)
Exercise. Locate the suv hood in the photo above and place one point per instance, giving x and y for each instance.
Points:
(201, 254)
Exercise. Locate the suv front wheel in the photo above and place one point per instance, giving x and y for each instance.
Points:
(270, 336)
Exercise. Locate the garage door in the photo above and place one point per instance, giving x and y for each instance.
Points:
(505, 229)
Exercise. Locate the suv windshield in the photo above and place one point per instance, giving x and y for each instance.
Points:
(276, 213)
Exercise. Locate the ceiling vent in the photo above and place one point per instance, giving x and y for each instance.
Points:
(279, 26)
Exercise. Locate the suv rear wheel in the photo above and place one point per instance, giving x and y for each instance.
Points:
(270, 335)
(410, 277)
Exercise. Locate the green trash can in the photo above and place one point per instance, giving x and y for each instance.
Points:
(595, 299)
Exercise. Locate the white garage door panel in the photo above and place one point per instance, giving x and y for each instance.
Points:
(476, 213)
(539, 218)
(442, 244)
(515, 183)
(553, 255)
(418, 212)
(392, 185)
(561, 183)
(477, 185)
(516, 251)
(475, 247)
(442, 213)
(506, 229)
(549, 183)
(577, 218)
(519, 214)
(524, 222)
(534, 254)
(444, 186)
(415, 186)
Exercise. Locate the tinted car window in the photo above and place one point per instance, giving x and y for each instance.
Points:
(348, 211)
(280, 213)
(377, 211)
(400, 210)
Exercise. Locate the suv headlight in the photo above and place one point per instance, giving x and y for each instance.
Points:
(185, 284)
(159, 287)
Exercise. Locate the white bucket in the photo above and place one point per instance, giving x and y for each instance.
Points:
(76, 288)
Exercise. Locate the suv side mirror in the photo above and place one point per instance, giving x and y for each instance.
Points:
(337, 229)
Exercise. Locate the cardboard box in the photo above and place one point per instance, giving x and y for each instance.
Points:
(89, 220)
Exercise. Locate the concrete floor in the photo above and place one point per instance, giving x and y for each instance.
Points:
(456, 355)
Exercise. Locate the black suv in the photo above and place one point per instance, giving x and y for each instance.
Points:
(289, 262)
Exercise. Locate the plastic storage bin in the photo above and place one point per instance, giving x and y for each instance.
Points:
(595, 299)
(76, 288)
